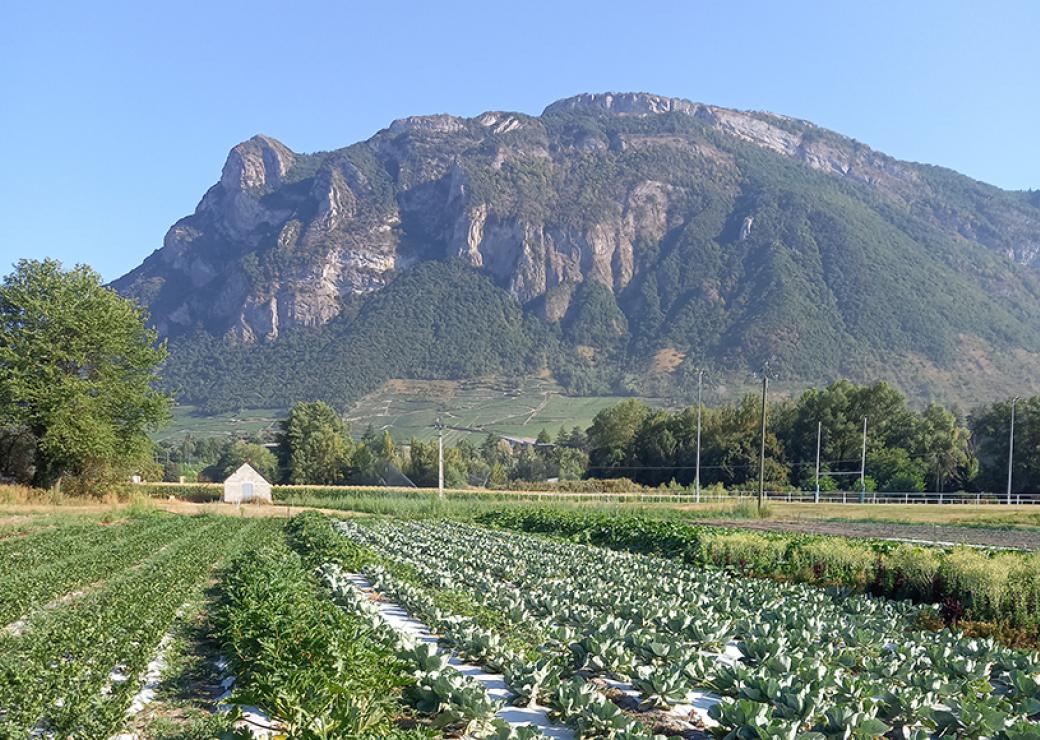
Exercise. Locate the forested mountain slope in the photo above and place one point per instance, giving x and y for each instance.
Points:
(618, 241)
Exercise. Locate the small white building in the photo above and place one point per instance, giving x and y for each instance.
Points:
(245, 485)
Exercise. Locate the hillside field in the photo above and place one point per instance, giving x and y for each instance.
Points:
(521, 408)
(409, 408)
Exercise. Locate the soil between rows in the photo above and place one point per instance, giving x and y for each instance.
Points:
(935, 533)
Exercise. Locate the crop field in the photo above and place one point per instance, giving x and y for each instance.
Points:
(245, 423)
(86, 604)
(156, 625)
(410, 408)
(622, 645)
(521, 408)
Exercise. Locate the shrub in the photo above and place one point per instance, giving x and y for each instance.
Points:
(910, 572)
(977, 581)
(745, 551)
(1023, 593)
(834, 561)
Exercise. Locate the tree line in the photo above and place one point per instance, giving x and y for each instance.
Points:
(907, 449)
(313, 446)
(78, 396)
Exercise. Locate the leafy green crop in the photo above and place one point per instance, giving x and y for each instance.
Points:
(796, 661)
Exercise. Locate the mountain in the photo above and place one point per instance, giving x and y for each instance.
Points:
(619, 241)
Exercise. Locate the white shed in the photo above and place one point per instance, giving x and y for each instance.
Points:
(245, 485)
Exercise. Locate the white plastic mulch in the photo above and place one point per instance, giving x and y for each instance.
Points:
(494, 683)
(254, 719)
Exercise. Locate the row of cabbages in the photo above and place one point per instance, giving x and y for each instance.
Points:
(459, 703)
(787, 660)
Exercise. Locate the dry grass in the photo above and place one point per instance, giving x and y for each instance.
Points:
(22, 501)
(667, 360)
(959, 514)
(16, 513)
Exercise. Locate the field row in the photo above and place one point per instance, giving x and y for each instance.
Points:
(407, 630)
(999, 591)
(69, 665)
(780, 660)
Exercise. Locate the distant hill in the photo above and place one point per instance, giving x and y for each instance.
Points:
(617, 241)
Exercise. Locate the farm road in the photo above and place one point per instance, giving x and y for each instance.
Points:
(1023, 539)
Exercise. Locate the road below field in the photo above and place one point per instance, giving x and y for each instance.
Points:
(1023, 539)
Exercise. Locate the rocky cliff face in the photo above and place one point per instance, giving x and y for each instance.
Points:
(584, 192)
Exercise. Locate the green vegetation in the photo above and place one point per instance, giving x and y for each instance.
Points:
(907, 450)
(779, 659)
(70, 667)
(314, 669)
(764, 259)
(186, 420)
(632, 446)
(514, 407)
(463, 327)
(313, 445)
(77, 367)
(999, 592)
(63, 560)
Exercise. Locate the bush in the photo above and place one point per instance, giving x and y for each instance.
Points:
(977, 581)
(1023, 593)
(910, 572)
(834, 561)
(750, 553)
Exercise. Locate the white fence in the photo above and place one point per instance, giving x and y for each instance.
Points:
(799, 497)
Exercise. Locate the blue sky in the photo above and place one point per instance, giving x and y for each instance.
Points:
(116, 116)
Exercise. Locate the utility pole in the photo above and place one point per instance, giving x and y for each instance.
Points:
(440, 459)
(1011, 447)
(819, 434)
(697, 474)
(762, 449)
(863, 466)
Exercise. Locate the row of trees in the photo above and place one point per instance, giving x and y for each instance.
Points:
(78, 398)
(313, 446)
(907, 449)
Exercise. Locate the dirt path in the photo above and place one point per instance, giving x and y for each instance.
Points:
(935, 533)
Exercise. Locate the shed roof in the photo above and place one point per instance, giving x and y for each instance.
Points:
(245, 473)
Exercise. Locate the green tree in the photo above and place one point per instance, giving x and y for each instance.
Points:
(421, 467)
(945, 446)
(731, 447)
(313, 445)
(990, 426)
(238, 453)
(610, 437)
(77, 373)
(570, 463)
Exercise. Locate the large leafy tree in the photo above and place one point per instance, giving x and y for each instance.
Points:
(313, 445)
(611, 435)
(990, 427)
(77, 373)
(240, 452)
